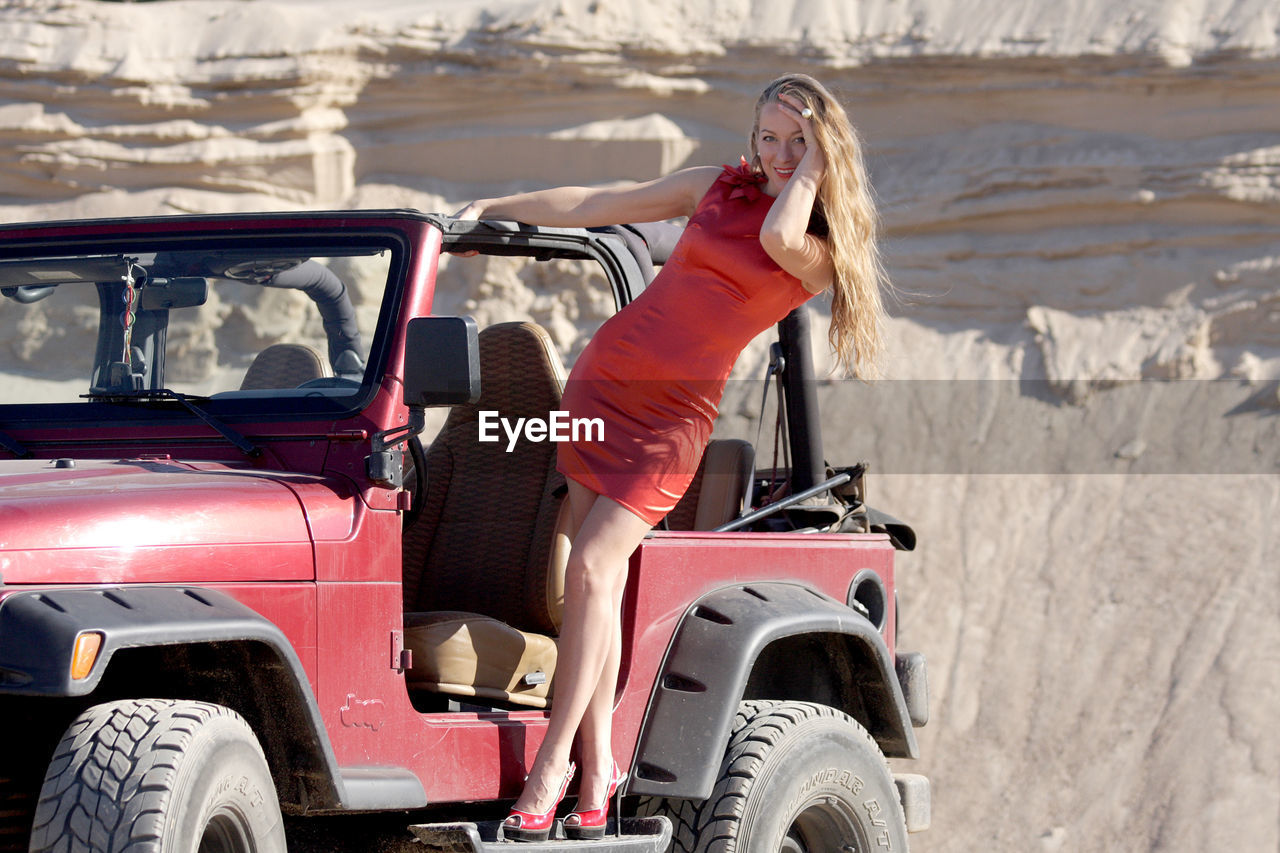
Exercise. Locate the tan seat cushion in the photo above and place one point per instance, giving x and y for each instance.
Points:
(719, 489)
(284, 366)
(467, 654)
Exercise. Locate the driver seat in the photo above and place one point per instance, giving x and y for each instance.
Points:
(284, 366)
(484, 560)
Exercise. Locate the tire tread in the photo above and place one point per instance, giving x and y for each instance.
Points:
(711, 826)
(106, 786)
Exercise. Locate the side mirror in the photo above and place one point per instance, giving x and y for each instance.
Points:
(441, 368)
(441, 361)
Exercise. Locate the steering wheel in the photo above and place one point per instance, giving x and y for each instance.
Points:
(330, 382)
(260, 269)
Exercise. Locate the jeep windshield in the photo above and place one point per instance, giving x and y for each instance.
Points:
(251, 327)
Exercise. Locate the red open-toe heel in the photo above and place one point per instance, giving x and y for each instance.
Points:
(527, 826)
(590, 823)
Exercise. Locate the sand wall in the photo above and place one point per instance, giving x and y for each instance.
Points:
(1080, 200)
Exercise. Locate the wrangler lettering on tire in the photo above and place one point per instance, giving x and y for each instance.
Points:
(158, 776)
(838, 793)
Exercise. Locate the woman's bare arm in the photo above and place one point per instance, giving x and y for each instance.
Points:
(667, 197)
(785, 238)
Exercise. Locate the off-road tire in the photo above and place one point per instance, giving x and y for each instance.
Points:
(158, 776)
(796, 778)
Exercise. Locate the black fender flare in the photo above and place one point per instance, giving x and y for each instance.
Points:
(38, 630)
(707, 667)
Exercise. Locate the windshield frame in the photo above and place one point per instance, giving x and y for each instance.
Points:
(322, 238)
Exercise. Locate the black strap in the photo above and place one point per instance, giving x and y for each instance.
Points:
(777, 364)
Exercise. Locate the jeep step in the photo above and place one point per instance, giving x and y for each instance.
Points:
(639, 835)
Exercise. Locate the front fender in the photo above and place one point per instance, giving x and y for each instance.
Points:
(709, 662)
(38, 629)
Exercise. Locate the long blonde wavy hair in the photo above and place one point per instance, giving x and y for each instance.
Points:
(846, 210)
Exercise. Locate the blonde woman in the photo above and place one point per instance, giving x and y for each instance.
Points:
(762, 239)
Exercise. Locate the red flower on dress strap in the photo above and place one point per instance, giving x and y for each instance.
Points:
(744, 180)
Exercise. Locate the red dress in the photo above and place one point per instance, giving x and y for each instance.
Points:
(654, 373)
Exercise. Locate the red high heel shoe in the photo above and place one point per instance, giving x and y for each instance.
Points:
(583, 824)
(528, 826)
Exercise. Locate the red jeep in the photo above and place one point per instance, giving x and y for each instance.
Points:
(242, 602)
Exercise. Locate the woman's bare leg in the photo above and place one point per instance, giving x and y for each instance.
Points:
(595, 732)
(594, 738)
(594, 579)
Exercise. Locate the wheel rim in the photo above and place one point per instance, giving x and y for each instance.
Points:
(792, 844)
(226, 832)
(827, 825)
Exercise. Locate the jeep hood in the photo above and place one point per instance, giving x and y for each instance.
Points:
(148, 521)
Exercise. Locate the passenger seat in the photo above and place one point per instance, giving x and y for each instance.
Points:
(720, 489)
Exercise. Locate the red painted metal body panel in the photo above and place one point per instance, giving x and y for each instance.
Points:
(347, 458)
(669, 571)
(420, 286)
(371, 721)
(116, 564)
(51, 506)
(477, 756)
(292, 607)
(462, 757)
(364, 700)
(356, 623)
(292, 446)
(407, 223)
(148, 521)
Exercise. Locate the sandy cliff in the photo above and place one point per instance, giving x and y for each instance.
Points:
(1080, 199)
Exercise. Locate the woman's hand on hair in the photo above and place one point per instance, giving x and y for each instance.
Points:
(784, 232)
(814, 161)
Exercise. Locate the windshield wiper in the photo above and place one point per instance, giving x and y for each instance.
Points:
(249, 448)
(14, 446)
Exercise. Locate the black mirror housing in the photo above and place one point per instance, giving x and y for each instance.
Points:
(163, 294)
(441, 361)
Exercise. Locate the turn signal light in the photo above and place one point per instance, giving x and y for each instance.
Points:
(85, 654)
